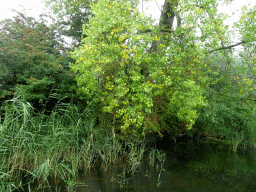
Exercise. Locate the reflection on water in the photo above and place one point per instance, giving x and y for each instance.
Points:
(188, 167)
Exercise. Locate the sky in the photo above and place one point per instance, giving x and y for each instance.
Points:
(156, 5)
(35, 7)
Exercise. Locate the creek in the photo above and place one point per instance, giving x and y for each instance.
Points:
(184, 167)
(180, 167)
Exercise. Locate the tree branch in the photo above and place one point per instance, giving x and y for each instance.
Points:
(162, 30)
(228, 47)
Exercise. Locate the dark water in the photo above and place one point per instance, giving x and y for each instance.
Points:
(175, 168)
(186, 167)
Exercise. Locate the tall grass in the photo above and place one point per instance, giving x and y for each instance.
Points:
(57, 146)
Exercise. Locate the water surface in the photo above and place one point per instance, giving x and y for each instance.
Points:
(186, 167)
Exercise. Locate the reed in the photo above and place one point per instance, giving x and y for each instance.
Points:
(58, 145)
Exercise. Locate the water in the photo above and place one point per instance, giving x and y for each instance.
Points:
(186, 167)
(176, 168)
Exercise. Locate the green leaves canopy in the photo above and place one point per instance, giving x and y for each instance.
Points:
(70, 15)
(32, 60)
(120, 71)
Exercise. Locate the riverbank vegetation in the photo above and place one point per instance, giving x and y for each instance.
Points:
(123, 84)
(39, 147)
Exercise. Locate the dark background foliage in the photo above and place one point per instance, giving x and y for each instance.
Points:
(34, 62)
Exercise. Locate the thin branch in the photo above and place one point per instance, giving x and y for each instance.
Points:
(142, 6)
(158, 5)
(228, 47)
(162, 30)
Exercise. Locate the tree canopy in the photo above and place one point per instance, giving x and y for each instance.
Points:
(33, 60)
(70, 15)
(142, 74)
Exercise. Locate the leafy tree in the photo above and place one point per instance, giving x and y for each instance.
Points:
(147, 77)
(70, 16)
(33, 62)
(231, 109)
(134, 70)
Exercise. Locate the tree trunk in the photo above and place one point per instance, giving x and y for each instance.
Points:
(167, 15)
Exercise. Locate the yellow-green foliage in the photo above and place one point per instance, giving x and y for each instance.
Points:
(118, 69)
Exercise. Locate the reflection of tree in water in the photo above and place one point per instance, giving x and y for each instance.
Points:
(189, 168)
(118, 176)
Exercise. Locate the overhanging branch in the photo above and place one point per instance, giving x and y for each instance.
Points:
(162, 30)
(228, 47)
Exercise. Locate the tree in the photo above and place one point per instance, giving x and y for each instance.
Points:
(71, 15)
(33, 60)
(142, 74)
(121, 72)
(231, 95)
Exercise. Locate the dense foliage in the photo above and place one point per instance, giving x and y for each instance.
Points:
(70, 15)
(140, 73)
(138, 76)
(231, 110)
(33, 61)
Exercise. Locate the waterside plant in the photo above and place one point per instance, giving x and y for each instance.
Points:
(36, 147)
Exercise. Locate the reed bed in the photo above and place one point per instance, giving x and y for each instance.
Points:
(38, 147)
